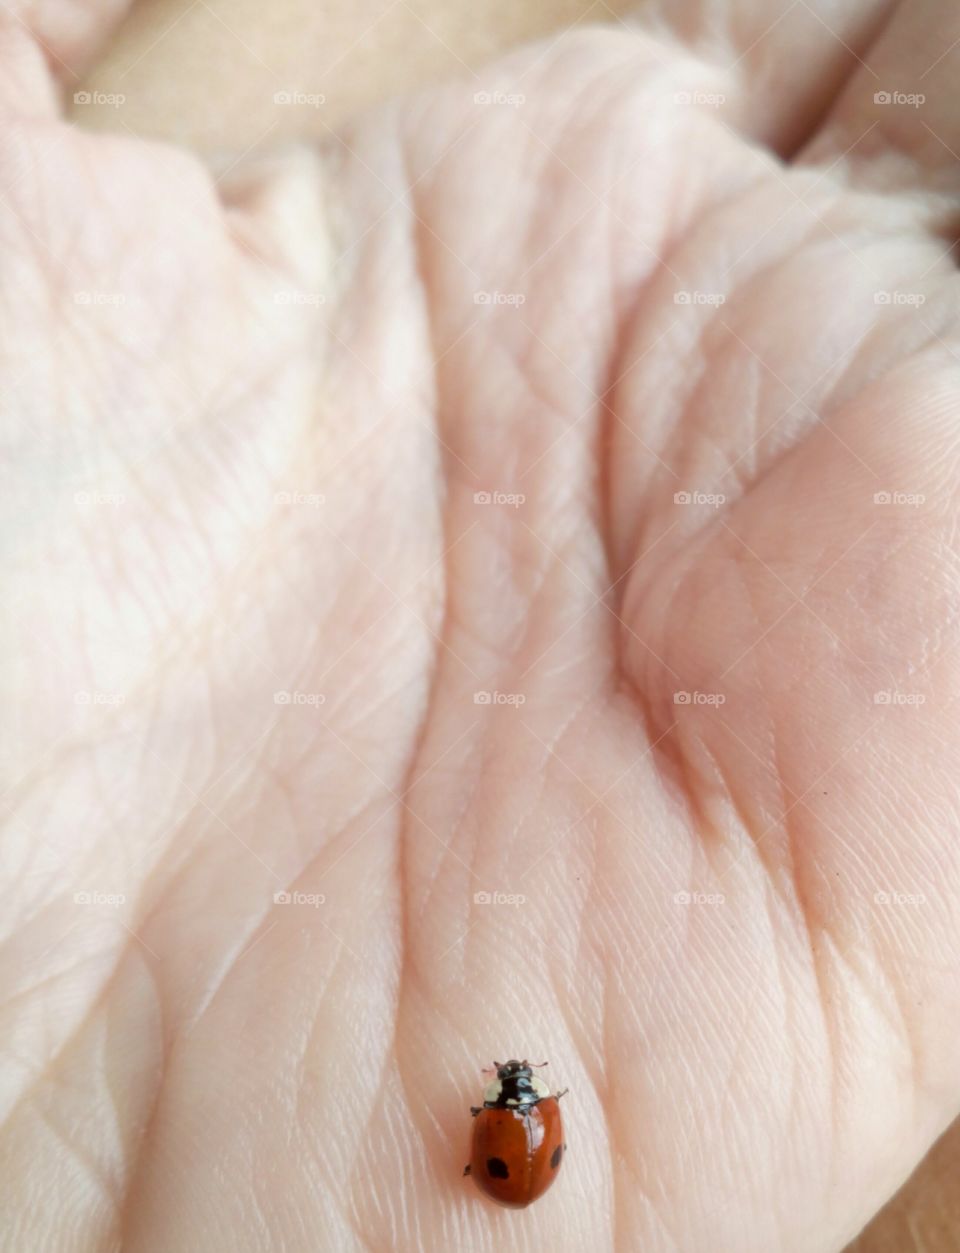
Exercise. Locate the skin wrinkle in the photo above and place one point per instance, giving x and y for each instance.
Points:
(737, 1045)
(573, 1024)
(469, 795)
(349, 1204)
(54, 977)
(619, 1159)
(523, 355)
(590, 1056)
(833, 1041)
(613, 1156)
(835, 399)
(875, 26)
(876, 999)
(515, 837)
(91, 1171)
(719, 52)
(713, 207)
(773, 879)
(703, 382)
(789, 1012)
(171, 1041)
(603, 445)
(57, 1057)
(419, 247)
(701, 804)
(353, 1211)
(815, 931)
(818, 939)
(740, 559)
(414, 1226)
(667, 750)
(902, 1029)
(796, 1090)
(144, 1129)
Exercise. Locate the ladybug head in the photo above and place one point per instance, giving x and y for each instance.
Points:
(506, 1070)
(515, 1085)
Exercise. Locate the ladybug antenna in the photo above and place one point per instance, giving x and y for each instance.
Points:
(538, 1065)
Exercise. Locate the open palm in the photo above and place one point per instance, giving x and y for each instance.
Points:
(483, 586)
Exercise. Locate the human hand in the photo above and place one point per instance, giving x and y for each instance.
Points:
(250, 422)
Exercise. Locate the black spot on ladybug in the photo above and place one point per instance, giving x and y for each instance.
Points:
(497, 1168)
(557, 1154)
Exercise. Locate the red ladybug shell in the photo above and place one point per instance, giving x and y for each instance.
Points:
(516, 1157)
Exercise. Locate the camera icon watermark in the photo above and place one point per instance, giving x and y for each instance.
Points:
(313, 899)
(513, 499)
(89, 500)
(910, 298)
(911, 499)
(913, 99)
(513, 298)
(713, 499)
(699, 898)
(113, 899)
(715, 298)
(95, 299)
(499, 898)
(313, 500)
(514, 99)
(113, 99)
(899, 898)
(311, 699)
(312, 98)
(699, 698)
(311, 299)
(714, 99)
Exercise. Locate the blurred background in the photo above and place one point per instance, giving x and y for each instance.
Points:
(205, 72)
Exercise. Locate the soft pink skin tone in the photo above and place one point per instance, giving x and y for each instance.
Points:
(755, 1069)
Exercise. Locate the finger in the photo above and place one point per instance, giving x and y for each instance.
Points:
(897, 123)
(791, 59)
(69, 33)
(44, 48)
(26, 84)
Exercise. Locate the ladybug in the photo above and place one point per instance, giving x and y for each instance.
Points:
(517, 1136)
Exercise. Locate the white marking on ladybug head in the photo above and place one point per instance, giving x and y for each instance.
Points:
(539, 1087)
(491, 1093)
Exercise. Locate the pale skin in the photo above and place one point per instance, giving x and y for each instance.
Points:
(256, 798)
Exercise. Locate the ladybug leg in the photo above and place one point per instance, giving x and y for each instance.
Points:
(475, 1109)
(466, 1169)
(563, 1093)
